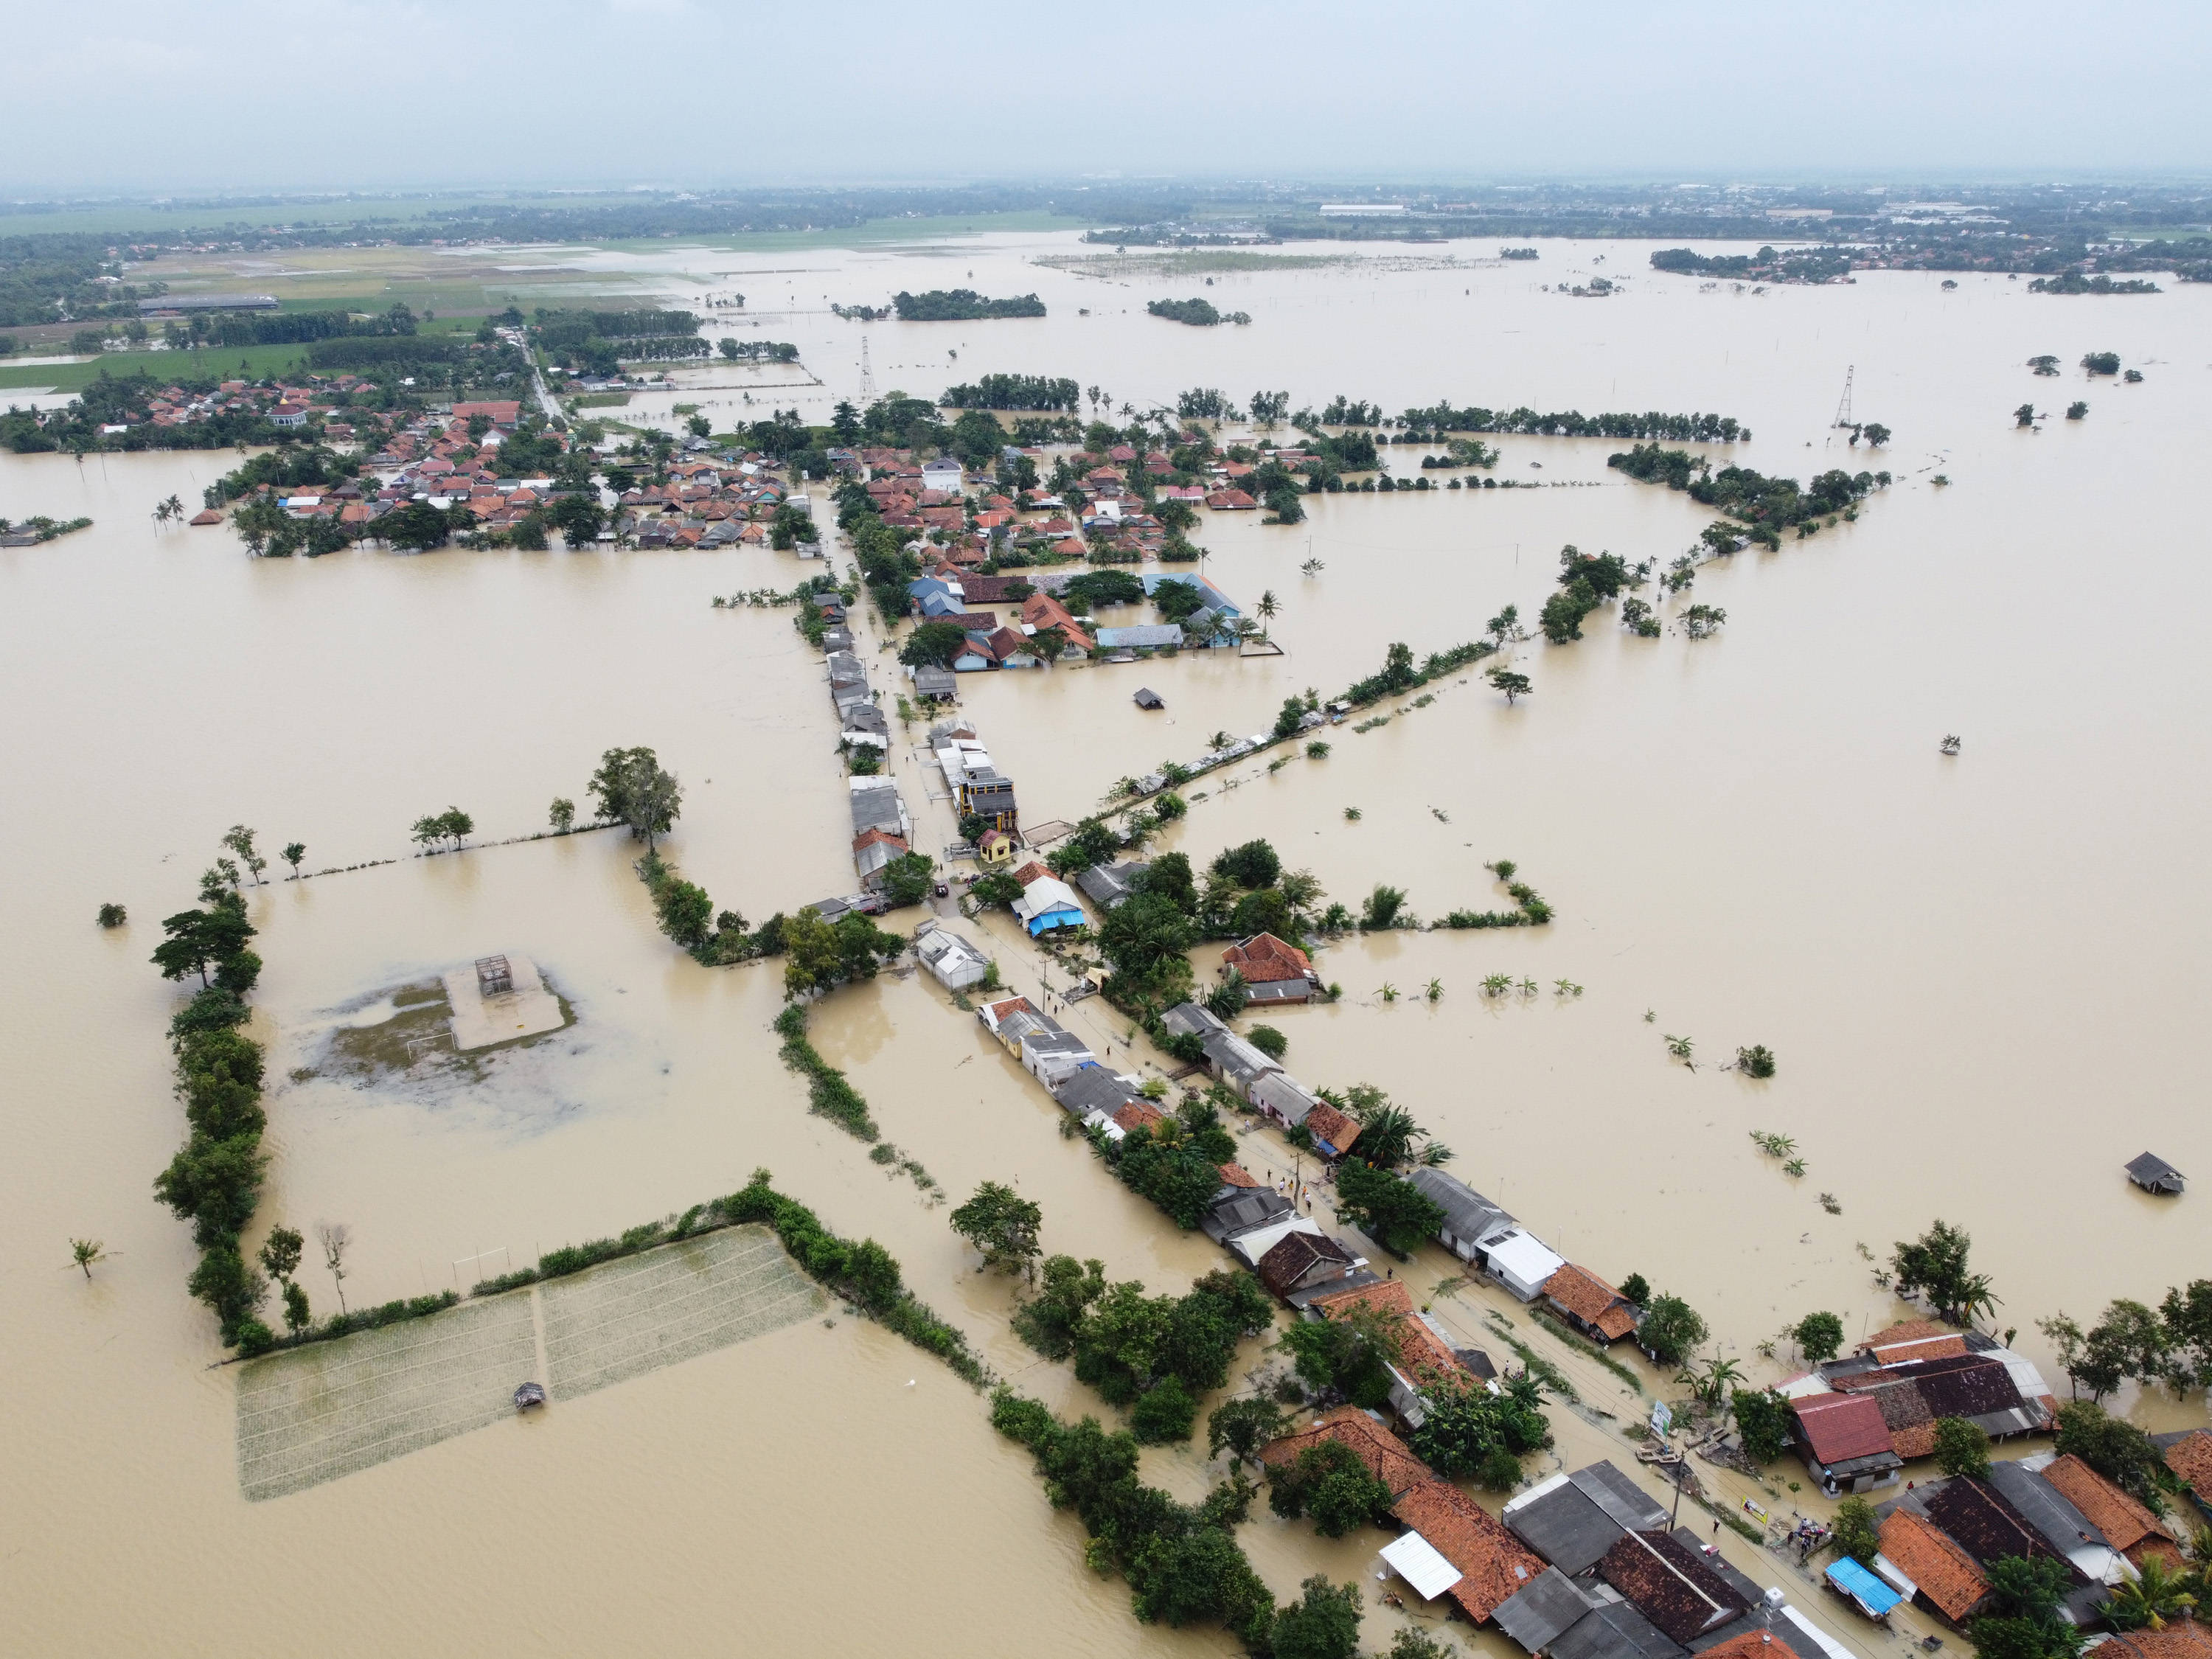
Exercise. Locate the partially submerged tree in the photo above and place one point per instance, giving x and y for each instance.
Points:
(1934, 1265)
(1819, 1336)
(1003, 1225)
(1671, 1329)
(632, 787)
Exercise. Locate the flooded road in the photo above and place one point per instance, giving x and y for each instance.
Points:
(1981, 975)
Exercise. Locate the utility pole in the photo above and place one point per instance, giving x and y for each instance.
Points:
(1844, 409)
(868, 375)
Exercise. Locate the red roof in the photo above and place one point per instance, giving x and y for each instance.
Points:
(1493, 1564)
(1944, 1572)
(1839, 1427)
(1236, 1175)
(1031, 871)
(1327, 1124)
(1263, 959)
(1591, 1300)
(2127, 1525)
(1139, 1115)
(1235, 500)
(2190, 1457)
(1384, 1453)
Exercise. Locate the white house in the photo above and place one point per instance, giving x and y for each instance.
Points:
(943, 473)
(955, 963)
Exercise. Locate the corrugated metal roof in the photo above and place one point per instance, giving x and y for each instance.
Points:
(1539, 1614)
(1414, 1559)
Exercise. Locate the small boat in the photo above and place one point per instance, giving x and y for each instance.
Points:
(529, 1395)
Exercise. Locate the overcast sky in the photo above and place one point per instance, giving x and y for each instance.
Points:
(247, 94)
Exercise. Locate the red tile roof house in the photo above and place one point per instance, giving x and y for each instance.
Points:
(1276, 971)
(2190, 1456)
(1381, 1451)
(1944, 1578)
(1494, 1565)
(1847, 1445)
(2127, 1526)
(1230, 500)
(1589, 1304)
(1916, 1338)
(1333, 1132)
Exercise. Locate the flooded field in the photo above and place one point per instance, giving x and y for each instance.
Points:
(1981, 975)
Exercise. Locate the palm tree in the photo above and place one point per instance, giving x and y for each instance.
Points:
(1312, 568)
(1711, 1384)
(2145, 1603)
(1266, 607)
(85, 1251)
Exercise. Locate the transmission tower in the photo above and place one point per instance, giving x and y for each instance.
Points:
(868, 376)
(1844, 409)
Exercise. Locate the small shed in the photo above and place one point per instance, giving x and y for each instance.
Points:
(2154, 1174)
(1856, 1585)
(1148, 698)
(494, 978)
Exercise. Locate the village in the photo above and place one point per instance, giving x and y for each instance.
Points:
(1581, 1565)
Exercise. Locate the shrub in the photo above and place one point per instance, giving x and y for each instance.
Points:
(1856, 1534)
(1268, 1040)
(1165, 1412)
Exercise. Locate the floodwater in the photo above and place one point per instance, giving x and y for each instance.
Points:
(1982, 976)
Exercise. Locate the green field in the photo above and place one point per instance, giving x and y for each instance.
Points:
(221, 364)
(123, 218)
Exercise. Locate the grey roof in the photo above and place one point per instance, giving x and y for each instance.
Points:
(1280, 990)
(1285, 1096)
(1234, 1057)
(1615, 1631)
(867, 717)
(1308, 1293)
(1608, 1487)
(1189, 1019)
(845, 669)
(935, 681)
(1252, 1207)
(2150, 1170)
(2045, 1508)
(1092, 1089)
(1107, 885)
(1573, 1525)
(1469, 1214)
(1059, 1042)
(1542, 1610)
(875, 809)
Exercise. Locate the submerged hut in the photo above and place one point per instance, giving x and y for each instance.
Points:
(1148, 698)
(2154, 1174)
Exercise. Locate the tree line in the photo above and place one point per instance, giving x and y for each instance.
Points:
(961, 305)
(1026, 391)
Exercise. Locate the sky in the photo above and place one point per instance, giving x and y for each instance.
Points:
(237, 95)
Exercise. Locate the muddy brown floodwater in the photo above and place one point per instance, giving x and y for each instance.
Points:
(1982, 976)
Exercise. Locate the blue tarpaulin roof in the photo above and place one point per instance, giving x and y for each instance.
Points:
(1874, 1598)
